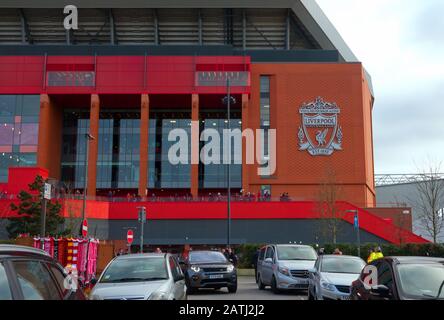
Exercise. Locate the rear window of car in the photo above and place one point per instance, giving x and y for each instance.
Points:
(5, 290)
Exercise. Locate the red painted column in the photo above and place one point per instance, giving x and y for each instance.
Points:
(50, 137)
(144, 123)
(93, 144)
(195, 151)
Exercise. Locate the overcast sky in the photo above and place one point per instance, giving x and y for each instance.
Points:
(401, 43)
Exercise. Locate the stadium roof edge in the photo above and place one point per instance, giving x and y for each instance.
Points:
(308, 11)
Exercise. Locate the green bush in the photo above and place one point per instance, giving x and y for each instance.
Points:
(246, 252)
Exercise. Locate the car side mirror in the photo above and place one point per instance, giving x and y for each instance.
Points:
(380, 291)
(93, 281)
(268, 260)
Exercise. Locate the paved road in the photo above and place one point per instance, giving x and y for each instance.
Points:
(246, 290)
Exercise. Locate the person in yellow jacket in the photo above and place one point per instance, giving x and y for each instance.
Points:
(375, 255)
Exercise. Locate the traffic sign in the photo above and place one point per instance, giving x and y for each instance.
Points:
(356, 221)
(130, 236)
(47, 192)
(85, 228)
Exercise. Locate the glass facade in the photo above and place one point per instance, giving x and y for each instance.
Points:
(214, 176)
(19, 128)
(265, 116)
(118, 149)
(161, 173)
(75, 128)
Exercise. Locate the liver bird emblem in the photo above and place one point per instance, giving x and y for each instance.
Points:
(320, 137)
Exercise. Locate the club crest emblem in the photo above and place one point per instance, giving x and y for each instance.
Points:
(320, 133)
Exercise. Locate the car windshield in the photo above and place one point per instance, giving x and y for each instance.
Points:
(421, 280)
(296, 253)
(207, 257)
(135, 269)
(342, 265)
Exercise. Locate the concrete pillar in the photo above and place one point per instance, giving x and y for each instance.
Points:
(144, 123)
(194, 146)
(93, 144)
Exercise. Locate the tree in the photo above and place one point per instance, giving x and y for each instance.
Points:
(429, 200)
(29, 211)
(330, 211)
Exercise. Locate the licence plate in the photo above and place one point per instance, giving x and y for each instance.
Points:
(216, 276)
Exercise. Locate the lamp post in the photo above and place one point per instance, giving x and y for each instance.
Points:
(89, 138)
(356, 226)
(228, 100)
(142, 220)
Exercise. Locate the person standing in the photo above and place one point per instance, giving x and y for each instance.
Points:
(255, 258)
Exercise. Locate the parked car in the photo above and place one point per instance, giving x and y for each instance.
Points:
(285, 267)
(401, 278)
(31, 274)
(332, 276)
(209, 269)
(151, 276)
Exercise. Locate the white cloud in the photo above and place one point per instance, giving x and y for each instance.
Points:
(401, 44)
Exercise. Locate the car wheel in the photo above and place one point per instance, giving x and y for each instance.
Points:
(260, 285)
(232, 288)
(274, 287)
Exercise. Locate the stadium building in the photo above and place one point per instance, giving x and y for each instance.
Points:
(134, 70)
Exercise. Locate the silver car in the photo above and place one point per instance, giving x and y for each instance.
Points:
(141, 277)
(285, 267)
(332, 276)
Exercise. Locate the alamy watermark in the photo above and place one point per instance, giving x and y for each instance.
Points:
(260, 147)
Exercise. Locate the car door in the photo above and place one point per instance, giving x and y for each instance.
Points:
(360, 290)
(267, 269)
(179, 285)
(66, 289)
(315, 278)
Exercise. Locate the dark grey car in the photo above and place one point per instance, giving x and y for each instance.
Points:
(209, 269)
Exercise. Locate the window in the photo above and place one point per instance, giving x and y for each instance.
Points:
(385, 275)
(270, 253)
(5, 291)
(262, 254)
(265, 118)
(175, 268)
(19, 128)
(60, 278)
(35, 281)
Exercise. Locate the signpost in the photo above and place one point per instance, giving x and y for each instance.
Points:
(356, 226)
(46, 197)
(142, 220)
(85, 228)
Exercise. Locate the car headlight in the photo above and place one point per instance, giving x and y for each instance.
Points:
(230, 268)
(195, 268)
(158, 295)
(284, 271)
(328, 286)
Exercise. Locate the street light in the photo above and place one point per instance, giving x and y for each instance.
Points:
(142, 220)
(356, 225)
(89, 138)
(228, 99)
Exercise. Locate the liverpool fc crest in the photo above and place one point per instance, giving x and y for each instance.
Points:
(320, 133)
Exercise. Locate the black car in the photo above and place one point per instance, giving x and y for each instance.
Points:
(209, 269)
(401, 278)
(31, 274)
